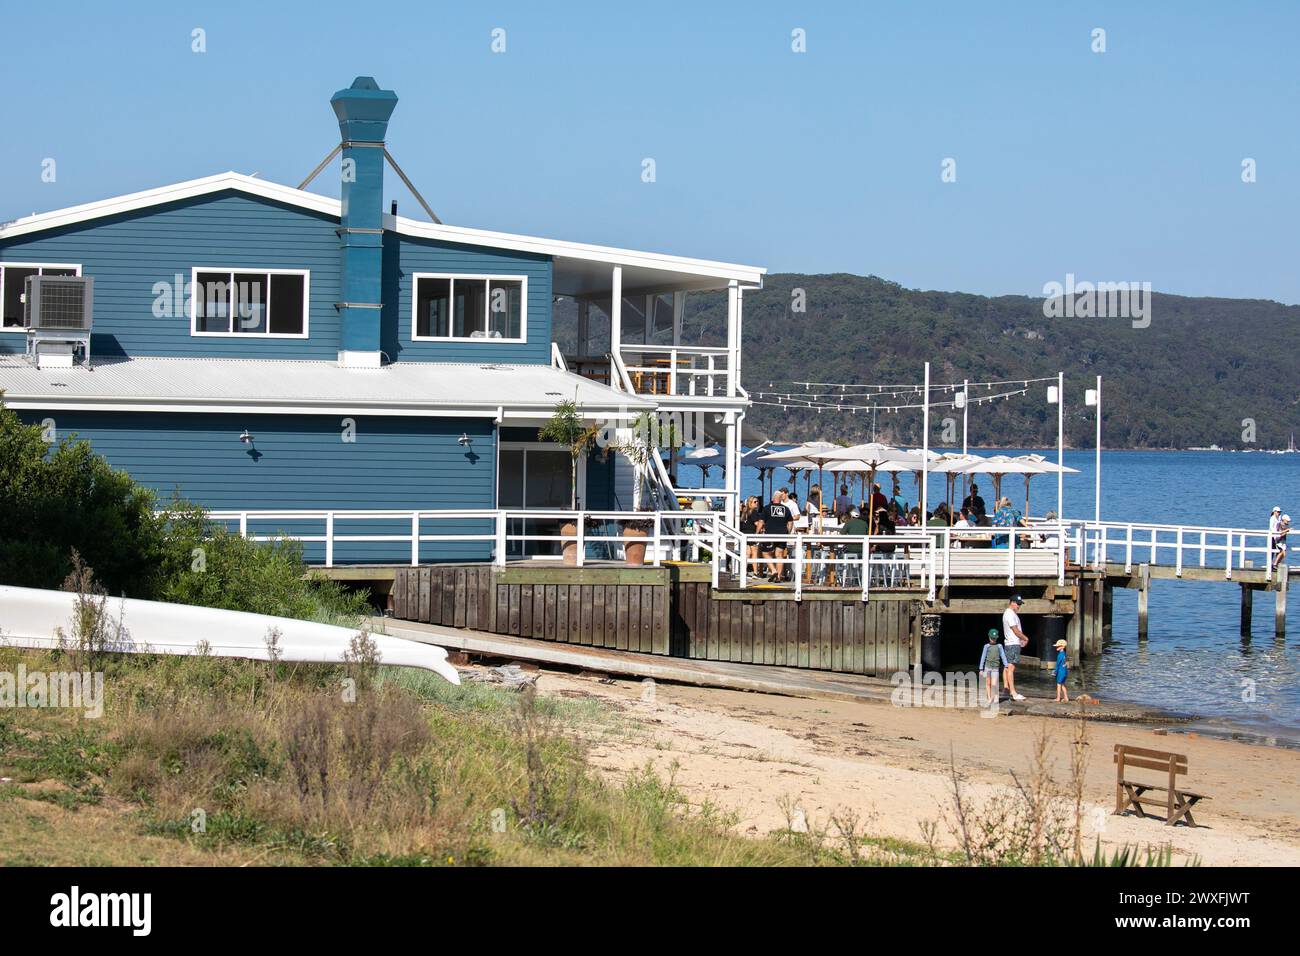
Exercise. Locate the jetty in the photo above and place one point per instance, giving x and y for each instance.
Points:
(922, 605)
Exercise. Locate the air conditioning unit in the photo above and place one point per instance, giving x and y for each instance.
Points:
(58, 303)
(57, 312)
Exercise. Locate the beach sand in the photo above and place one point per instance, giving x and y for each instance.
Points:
(748, 753)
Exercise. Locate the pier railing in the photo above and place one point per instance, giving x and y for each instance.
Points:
(913, 558)
(504, 534)
(1095, 544)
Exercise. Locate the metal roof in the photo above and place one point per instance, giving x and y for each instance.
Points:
(309, 387)
(656, 266)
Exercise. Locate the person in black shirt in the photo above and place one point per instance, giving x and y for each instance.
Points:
(777, 518)
(974, 503)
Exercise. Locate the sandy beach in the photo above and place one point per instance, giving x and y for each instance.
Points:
(753, 753)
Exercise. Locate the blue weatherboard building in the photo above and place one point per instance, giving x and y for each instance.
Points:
(265, 350)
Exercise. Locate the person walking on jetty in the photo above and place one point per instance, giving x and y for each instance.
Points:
(1013, 638)
(777, 518)
(989, 665)
(1062, 672)
(1279, 525)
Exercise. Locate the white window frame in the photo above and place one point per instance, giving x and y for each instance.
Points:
(253, 336)
(486, 279)
(6, 264)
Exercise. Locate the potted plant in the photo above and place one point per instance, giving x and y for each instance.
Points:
(567, 428)
(634, 551)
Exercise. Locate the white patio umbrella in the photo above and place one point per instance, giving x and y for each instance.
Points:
(704, 458)
(1042, 467)
(753, 459)
(950, 466)
(873, 455)
(1001, 465)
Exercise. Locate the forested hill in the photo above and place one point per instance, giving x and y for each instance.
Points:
(1202, 367)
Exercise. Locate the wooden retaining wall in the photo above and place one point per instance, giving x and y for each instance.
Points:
(614, 608)
(847, 636)
(670, 610)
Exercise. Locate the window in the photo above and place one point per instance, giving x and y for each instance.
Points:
(13, 284)
(269, 302)
(470, 307)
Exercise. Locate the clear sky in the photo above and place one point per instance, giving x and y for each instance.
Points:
(1122, 165)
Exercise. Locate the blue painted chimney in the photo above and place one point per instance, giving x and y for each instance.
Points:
(363, 110)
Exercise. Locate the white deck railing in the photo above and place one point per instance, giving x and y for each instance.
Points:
(666, 534)
(921, 558)
(676, 370)
(1113, 542)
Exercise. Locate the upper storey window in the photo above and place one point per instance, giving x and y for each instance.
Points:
(457, 307)
(268, 302)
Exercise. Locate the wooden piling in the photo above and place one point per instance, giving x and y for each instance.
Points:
(1247, 600)
(1280, 613)
(1144, 596)
(1098, 615)
(1107, 610)
(1074, 631)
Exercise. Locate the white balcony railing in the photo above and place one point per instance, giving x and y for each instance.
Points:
(677, 370)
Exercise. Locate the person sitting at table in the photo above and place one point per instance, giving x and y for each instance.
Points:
(814, 506)
(843, 503)
(855, 526)
(1005, 517)
(961, 522)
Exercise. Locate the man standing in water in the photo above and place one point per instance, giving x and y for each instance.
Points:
(1013, 638)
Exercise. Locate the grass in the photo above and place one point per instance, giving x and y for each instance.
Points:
(203, 760)
(207, 760)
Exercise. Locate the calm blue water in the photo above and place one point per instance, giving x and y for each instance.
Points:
(1194, 659)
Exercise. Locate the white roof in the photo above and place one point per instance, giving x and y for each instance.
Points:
(309, 387)
(653, 262)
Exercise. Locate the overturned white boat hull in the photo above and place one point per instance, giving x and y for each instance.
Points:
(33, 618)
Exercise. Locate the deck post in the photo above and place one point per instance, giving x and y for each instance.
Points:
(500, 530)
(1280, 613)
(1074, 628)
(1107, 610)
(1144, 596)
(1247, 600)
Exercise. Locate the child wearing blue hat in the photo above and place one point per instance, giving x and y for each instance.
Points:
(1062, 672)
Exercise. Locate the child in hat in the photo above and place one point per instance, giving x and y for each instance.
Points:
(989, 664)
(1062, 672)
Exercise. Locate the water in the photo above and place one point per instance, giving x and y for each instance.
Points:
(1194, 659)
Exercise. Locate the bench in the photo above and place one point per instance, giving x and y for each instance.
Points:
(1177, 803)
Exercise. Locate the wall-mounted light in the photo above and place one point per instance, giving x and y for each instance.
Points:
(464, 439)
(246, 438)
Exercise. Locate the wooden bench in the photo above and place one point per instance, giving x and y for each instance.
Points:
(1177, 802)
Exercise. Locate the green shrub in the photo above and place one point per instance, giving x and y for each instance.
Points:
(55, 500)
(66, 499)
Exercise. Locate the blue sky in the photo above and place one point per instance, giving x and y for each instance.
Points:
(1123, 165)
